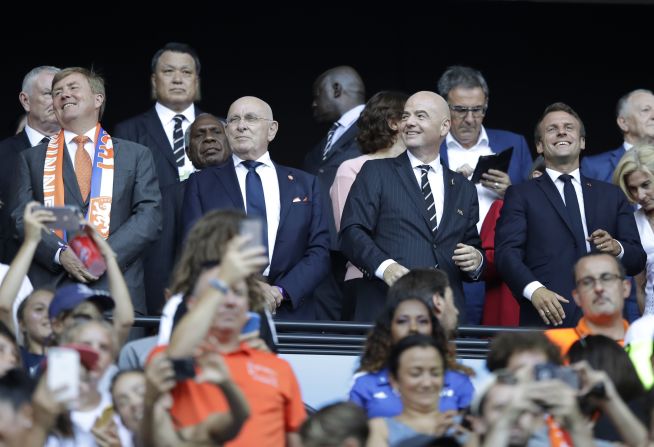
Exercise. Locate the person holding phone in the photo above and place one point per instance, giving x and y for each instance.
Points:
(89, 169)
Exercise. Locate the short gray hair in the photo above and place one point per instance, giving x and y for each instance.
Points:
(459, 76)
(29, 78)
(621, 108)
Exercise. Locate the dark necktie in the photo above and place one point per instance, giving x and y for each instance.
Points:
(330, 139)
(430, 205)
(572, 207)
(178, 140)
(255, 200)
(44, 140)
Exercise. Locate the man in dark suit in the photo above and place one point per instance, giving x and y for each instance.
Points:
(338, 99)
(295, 229)
(40, 124)
(409, 212)
(125, 210)
(175, 86)
(548, 223)
(635, 118)
(466, 92)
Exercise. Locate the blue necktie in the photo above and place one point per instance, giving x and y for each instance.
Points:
(572, 206)
(254, 198)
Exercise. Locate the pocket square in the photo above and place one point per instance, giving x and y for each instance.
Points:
(300, 199)
(460, 211)
(297, 199)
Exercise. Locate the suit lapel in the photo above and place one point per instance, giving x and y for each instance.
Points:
(286, 182)
(408, 179)
(590, 204)
(615, 158)
(552, 194)
(226, 174)
(450, 186)
(157, 132)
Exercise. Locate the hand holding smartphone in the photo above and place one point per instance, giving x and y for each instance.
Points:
(253, 323)
(63, 373)
(253, 227)
(67, 217)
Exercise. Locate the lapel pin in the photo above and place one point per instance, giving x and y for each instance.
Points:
(290, 177)
(452, 182)
(306, 199)
(589, 184)
(460, 211)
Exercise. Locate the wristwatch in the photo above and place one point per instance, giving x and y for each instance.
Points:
(219, 285)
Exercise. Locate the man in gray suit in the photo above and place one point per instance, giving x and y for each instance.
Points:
(411, 211)
(112, 181)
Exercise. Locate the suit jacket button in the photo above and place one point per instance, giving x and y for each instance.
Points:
(321, 170)
(434, 246)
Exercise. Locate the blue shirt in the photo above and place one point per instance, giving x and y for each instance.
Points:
(373, 392)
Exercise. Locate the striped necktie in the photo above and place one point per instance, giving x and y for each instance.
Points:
(178, 140)
(330, 139)
(430, 205)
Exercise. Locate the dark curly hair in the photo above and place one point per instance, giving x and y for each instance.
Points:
(378, 344)
(374, 131)
(205, 244)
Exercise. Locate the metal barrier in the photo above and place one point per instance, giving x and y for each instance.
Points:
(346, 338)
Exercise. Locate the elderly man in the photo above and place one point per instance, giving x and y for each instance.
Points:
(205, 142)
(409, 212)
(550, 222)
(41, 123)
(112, 181)
(288, 202)
(600, 291)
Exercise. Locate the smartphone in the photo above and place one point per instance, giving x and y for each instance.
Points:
(64, 372)
(105, 417)
(253, 227)
(67, 217)
(547, 371)
(253, 324)
(184, 368)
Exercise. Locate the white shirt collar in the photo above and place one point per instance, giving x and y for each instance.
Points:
(627, 146)
(554, 175)
(68, 135)
(450, 141)
(166, 115)
(415, 162)
(351, 116)
(33, 135)
(265, 159)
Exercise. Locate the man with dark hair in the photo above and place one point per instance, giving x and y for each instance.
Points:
(205, 142)
(548, 223)
(467, 94)
(112, 181)
(40, 124)
(511, 351)
(175, 83)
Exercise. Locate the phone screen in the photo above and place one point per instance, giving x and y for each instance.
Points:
(253, 323)
(64, 373)
(252, 227)
(66, 217)
(184, 368)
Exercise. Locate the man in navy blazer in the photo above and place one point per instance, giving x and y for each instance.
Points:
(535, 243)
(466, 92)
(411, 212)
(635, 118)
(298, 238)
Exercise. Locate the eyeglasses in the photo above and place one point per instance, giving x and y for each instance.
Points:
(606, 279)
(462, 111)
(249, 119)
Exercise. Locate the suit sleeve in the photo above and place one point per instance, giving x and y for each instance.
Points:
(634, 258)
(144, 225)
(24, 191)
(359, 221)
(305, 275)
(510, 241)
(192, 209)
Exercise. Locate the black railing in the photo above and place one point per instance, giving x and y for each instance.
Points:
(345, 338)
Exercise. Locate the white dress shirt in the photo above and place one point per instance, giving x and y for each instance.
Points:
(34, 135)
(346, 121)
(270, 182)
(530, 288)
(166, 116)
(458, 156)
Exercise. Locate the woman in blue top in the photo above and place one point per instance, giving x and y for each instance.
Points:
(403, 316)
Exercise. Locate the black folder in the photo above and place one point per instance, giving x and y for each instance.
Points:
(499, 161)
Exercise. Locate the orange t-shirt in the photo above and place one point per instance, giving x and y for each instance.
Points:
(564, 338)
(269, 386)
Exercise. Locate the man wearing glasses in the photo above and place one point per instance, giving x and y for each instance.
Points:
(287, 201)
(600, 291)
(466, 92)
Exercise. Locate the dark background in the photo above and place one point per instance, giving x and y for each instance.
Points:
(531, 53)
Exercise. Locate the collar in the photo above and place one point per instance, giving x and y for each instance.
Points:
(68, 135)
(583, 330)
(451, 142)
(166, 115)
(554, 175)
(33, 135)
(626, 145)
(351, 116)
(435, 164)
(265, 159)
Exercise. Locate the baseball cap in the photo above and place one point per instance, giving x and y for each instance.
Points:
(68, 297)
